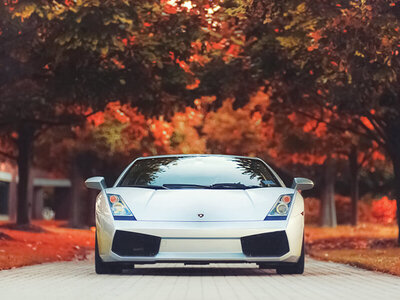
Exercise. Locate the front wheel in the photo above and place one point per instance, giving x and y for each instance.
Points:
(297, 268)
(102, 267)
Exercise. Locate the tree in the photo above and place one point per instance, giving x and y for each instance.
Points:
(337, 56)
(63, 60)
(105, 144)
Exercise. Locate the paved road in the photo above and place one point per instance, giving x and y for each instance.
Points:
(77, 280)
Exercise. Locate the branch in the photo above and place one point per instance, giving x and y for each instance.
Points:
(341, 128)
(371, 134)
(8, 155)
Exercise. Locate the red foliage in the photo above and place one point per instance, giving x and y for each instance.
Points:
(367, 123)
(384, 210)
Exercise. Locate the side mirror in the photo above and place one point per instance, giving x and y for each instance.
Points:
(97, 183)
(302, 184)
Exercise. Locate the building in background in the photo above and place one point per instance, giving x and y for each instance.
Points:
(48, 194)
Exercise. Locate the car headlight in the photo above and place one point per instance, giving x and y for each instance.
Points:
(281, 208)
(119, 209)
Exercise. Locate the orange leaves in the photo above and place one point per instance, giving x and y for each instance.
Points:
(312, 48)
(200, 59)
(169, 6)
(334, 63)
(239, 131)
(56, 244)
(184, 66)
(118, 63)
(194, 85)
(384, 210)
(169, 9)
(161, 131)
(69, 2)
(367, 123)
(315, 37)
(292, 117)
(309, 126)
(306, 159)
(321, 129)
(318, 128)
(233, 51)
(96, 119)
(378, 155)
(115, 111)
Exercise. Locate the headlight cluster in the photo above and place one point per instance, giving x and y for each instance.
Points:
(281, 208)
(119, 209)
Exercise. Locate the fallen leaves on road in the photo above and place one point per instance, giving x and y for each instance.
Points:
(21, 248)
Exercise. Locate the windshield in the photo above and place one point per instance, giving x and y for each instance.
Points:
(217, 172)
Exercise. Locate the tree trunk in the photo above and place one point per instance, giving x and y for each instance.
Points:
(328, 209)
(25, 147)
(81, 167)
(396, 169)
(354, 185)
(76, 195)
(393, 149)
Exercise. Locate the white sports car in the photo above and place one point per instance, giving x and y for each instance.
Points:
(199, 209)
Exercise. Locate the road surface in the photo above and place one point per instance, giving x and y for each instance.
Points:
(77, 280)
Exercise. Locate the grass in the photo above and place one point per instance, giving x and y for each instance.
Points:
(55, 243)
(369, 246)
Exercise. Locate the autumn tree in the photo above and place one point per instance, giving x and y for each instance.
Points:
(104, 144)
(63, 60)
(338, 56)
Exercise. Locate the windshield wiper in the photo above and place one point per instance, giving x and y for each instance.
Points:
(231, 185)
(154, 187)
(184, 186)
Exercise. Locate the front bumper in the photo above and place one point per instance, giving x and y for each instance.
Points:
(201, 241)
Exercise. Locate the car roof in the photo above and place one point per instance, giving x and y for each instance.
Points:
(196, 155)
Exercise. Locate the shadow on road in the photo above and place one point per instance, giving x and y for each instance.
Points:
(199, 271)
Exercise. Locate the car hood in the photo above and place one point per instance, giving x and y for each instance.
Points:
(200, 204)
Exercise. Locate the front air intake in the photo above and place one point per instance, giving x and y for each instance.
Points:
(265, 244)
(127, 243)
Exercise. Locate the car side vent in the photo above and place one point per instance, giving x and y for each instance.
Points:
(135, 244)
(265, 244)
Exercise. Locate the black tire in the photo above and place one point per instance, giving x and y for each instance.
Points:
(102, 267)
(296, 268)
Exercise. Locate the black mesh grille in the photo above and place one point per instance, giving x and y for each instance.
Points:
(135, 244)
(265, 244)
